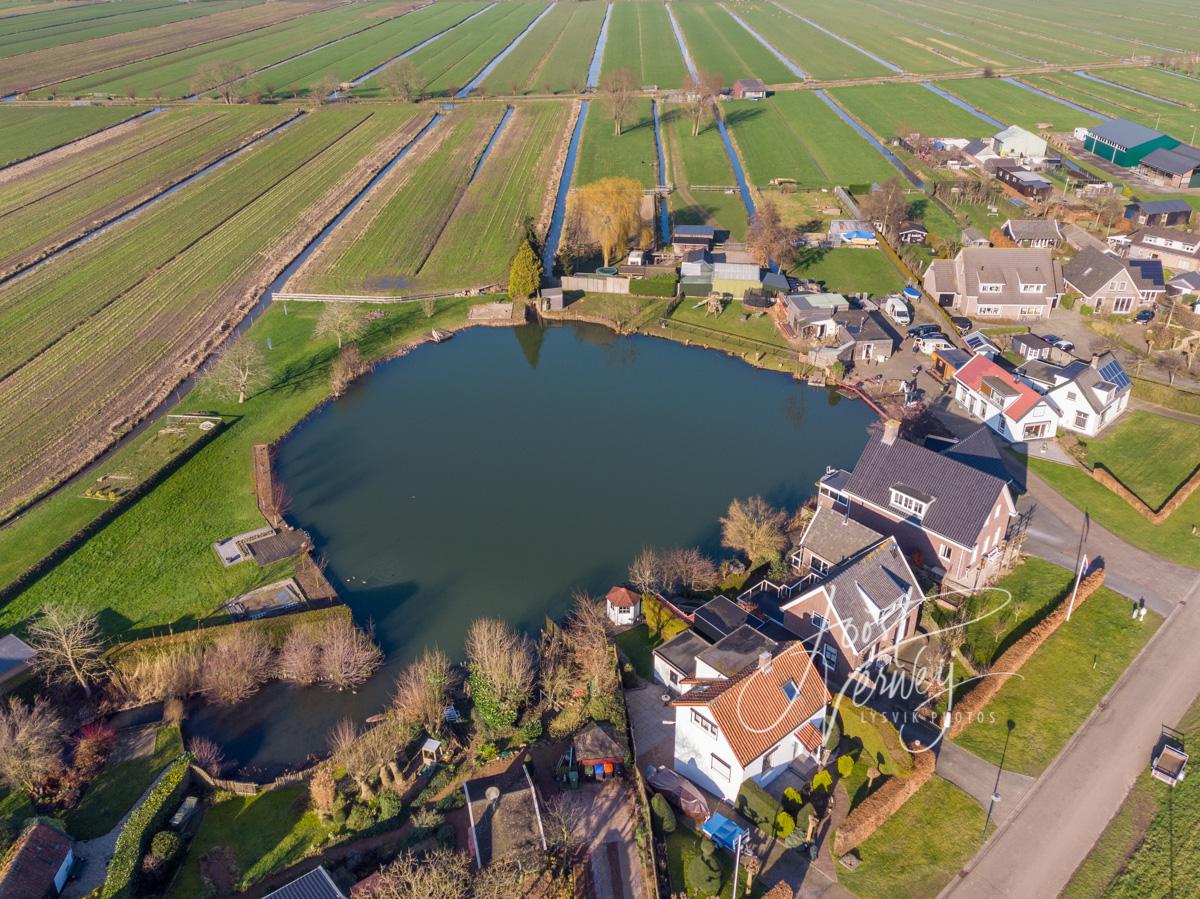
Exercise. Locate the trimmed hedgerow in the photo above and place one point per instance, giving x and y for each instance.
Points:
(147, 819)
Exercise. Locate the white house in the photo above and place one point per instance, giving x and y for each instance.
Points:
(624, 606)
(1015, 141)
(753, 725)
(1011, 408)
(1090, 396)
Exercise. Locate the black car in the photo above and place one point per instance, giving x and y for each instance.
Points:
(919, 331)
(1145, 317)
(961, 323)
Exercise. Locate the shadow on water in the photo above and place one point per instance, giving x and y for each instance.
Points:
(497, 475)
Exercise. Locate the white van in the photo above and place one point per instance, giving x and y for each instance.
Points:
(897, 310)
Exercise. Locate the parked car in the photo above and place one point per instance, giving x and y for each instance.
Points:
(1061, 343)
(930, 343)
(1144, 317)
(919, 331)
(961, 323)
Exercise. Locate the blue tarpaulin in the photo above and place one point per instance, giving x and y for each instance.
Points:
(723, 831)
(912, 293)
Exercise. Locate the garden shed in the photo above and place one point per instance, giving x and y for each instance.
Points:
(597, 749)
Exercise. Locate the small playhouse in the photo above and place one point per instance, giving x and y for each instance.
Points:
(597, 754)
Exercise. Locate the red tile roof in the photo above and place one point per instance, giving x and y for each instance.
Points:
(810, 737)
(32, 863)
(752, 709)
(980, 367)
(623, 598)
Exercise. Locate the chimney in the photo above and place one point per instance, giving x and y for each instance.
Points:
(891, 430)
(764, 662)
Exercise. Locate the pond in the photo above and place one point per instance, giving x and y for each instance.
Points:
(499, 472)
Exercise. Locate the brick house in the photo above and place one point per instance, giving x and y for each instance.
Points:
(997, 282)
(1112, 285)
(948, 513)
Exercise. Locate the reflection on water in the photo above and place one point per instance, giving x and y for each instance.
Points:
(494, 476)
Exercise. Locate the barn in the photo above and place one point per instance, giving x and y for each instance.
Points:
(1124, 142)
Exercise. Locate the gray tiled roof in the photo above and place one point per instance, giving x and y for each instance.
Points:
(1171, 162)
(316, 884)
(720, 616)
(1148, 274)
(872, 580)
(963, 496)
(1157, 207)
(836, 537)
(1090, 270)
(979, 450)
(1033, 229)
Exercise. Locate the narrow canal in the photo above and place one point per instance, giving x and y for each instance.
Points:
(439, 493)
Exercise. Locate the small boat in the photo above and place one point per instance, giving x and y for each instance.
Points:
(439, 335)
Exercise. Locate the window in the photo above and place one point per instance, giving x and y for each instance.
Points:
(819, 622)
(703, 723)
(790, 691)
(1031, 311)
(987, 310)
(990, 288)
(830, 654)
(945, 552)
(819, 566)
(674, 678)
(909, 504)
(1032, 288)
(1122, 304)
(1072, 395)
(1081, 419)
(720, 767)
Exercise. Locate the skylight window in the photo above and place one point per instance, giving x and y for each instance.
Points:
(790, 690)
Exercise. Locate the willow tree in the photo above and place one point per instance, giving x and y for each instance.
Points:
(608, 209)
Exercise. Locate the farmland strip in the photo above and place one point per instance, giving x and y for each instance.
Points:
(29, 131)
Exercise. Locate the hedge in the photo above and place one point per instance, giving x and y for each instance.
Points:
(757, 806)
(870, 814)
(144, 821)
(658, 286)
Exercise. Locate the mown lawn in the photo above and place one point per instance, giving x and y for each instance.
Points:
(118, 787)
(1151, 454)
(916, 852)
(263, 833)
(603, 154)
(757, 327)
(846, 270)
(682, 845)
(891, 110)
(1133, 856)
(635, 644)
(1059, 686)
(1173, 539)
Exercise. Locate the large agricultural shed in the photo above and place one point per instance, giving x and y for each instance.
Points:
(1124, 142)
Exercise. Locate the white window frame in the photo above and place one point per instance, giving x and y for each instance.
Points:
(908, 504)
(718, 765)
(829, 653)
(945, 552)
(1081, 419)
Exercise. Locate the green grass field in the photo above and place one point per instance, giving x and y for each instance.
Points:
(27, 131)
(264, 833)
(845, 270)
(110, 314)
(894, 39)
(795, 135)
(1161, 83)
(511, 189)
(700, 160)
(197, 68)
(1060, 685)
(1119, 103)
(759, 328)
(119, 786)
(819, 55)
(602, 154)
(890, 110)
(640, 40)
(383, 244)
(719, 44)
(554, 56)
(1153, 832)
(1151, 454)
(1016, 106)
(916, 851)
(66, 198)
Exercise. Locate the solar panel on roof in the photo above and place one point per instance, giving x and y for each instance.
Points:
(1113, 373)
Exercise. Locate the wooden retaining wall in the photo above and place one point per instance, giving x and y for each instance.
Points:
(264, 486)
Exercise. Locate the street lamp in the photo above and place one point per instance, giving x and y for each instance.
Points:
(1011, 725)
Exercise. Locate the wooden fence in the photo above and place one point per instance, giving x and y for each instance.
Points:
(593, 284)
(381, 299)
(249, 787)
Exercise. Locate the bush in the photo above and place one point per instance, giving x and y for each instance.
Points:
(845, 765)
(791, 800)
(784, 825)
(120, 882)
(658, 286)
(166, 845)
(822, 780)
(361, 817)
(663, 812)
(1085, 309)
(703, 875)
(390, 805)
(835, 731)
(446, 836)
(756, 805)
(529, 732)
(452, 800)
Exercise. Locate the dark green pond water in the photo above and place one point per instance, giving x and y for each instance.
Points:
(499, 472)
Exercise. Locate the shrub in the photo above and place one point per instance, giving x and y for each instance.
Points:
(845, 764)
(835, 732)
(567, 721)
(791, 800)
(452, 800)
(822, 780)
(446, 836)
(120, 882)
(708, 848)
(1085, 309)
(756, 805)
(784, 825)
(488, 752)
(529, 732)
(390, 805)
(166, 845)
(208, 754)
(361, 816)
(663, 812)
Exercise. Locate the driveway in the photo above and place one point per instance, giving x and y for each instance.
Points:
(1035, 851)
(653, 725)
(606, 819)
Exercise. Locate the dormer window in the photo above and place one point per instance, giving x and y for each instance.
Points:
(1032, 288)
(991, 288)
(909, 502)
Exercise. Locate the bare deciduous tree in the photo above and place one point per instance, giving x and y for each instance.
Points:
(68, 644)
(240, 369)
(559, 818)
(886, 207)
(300, 658)
(322, 792)
(689, 570)
(423, 690)
(619, 88)
(439, 874)
(645, 571)
(340, 320)
(1172, 364)
(235, 666)
(346, 367)
(208, 755)
(342, 737)
(755, 528)
(700, 100)
(325, 90)
(555, 666)
(30, 744)
(154, 676)
(587, 633)
(403, 79)
(348, 655)
(768, 238)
